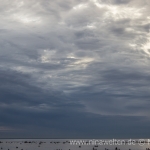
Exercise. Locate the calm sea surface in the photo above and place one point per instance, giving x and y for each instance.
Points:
(74, 144)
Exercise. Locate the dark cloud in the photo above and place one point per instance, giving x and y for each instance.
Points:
(74, 68)
(70, 124)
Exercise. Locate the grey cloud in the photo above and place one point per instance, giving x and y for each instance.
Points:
(74, 125)
(118, 2)
(18, 88)
(114, 75)
(74, 61)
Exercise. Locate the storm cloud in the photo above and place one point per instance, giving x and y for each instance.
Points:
(74, 69)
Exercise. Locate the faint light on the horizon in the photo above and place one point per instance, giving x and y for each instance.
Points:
(4, 129)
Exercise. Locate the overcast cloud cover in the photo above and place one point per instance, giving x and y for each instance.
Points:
(74, 68)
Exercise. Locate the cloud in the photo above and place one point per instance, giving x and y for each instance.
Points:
(61, 60)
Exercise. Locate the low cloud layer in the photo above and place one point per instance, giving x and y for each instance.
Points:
(66, 64)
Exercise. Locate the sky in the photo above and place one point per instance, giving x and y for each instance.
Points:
(74, 68)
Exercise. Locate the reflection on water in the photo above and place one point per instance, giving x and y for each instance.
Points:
(74, 144)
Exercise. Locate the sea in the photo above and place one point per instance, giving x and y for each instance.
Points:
(74, 144)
